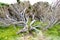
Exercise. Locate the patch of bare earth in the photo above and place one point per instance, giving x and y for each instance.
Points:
(39, 36)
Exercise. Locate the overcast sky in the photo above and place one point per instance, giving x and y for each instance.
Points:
(31, 1)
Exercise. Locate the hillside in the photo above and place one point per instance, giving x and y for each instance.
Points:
(23, 21)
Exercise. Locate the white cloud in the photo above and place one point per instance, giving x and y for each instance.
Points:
(34, 1)
(31, 1)
(8, 1)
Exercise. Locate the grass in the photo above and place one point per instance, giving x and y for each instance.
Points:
(9, 33)
(55, 30)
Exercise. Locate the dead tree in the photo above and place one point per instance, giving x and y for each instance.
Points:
(16, 14)
(54, 17)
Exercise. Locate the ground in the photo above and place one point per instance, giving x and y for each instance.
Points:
(9, 33)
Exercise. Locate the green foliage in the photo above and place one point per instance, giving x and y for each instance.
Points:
(55, 30)
(3, 4)
(18, 1)
(9, 33)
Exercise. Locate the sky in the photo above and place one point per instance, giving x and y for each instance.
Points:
(31, 1)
